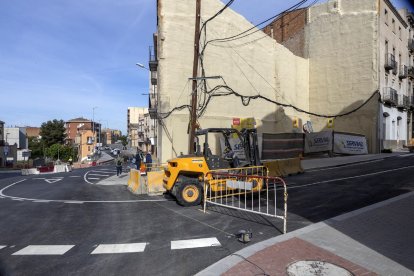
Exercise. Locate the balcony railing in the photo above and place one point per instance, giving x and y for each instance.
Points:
(410, 44)
(395, 69)
(389, 62)
(390, 96)
(410, 72)
(403, 101)
(403, 72)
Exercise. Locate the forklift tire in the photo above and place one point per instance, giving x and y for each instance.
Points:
(189, 193)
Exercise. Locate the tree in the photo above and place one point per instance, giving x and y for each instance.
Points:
(124, 140)
(36, 146)
(53, 132)
(58, 151)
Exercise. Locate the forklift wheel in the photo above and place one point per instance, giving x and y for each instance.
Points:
(189, 194)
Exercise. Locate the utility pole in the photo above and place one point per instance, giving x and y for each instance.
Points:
(193, 118)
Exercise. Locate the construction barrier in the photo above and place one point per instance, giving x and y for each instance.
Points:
(29, 171)
(155, 175)
(283, 167)
(247, 192)
(135, 183)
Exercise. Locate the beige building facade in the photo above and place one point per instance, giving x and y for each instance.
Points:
(135, 123)
(335, 64)
(265, 67)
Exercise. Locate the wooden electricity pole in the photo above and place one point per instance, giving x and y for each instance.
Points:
(193, 118)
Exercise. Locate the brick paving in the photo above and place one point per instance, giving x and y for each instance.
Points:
(275, 259)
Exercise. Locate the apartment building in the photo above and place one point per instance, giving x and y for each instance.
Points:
(74, 125)
(355, 48)
(135, 126)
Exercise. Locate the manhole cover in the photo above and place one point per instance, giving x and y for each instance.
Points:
(319, 268)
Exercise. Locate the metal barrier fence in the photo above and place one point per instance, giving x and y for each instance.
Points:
(243, 189)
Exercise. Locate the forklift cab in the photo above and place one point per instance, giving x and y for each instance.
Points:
(226, 147)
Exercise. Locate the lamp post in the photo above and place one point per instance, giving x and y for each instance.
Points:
(93, 122)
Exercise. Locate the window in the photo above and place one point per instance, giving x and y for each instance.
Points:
(386, 80)
(399, 32)
(386, 47)
(393, 25)
(386, 16)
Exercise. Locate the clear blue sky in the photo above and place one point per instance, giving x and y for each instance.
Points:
(59, 59)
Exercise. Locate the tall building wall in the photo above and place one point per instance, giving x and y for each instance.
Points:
(263, 67)
(342, 39)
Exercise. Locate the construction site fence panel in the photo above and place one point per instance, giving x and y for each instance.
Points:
(247, 192)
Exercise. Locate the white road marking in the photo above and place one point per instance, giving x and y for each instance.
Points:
(119, 248)
(44, 250)
(195, 243)
(65, 200)
(42, 201)
(349, 165)
(3, 246)
(75, 176)
(93, 178)
(345, 178)
(406, 155)
(99, 174)
(73, 202)
(52, 180)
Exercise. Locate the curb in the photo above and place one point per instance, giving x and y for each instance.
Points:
(230, 261)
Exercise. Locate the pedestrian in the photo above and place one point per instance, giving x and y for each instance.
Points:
(138, 160)
(148, 160)
(118, 162)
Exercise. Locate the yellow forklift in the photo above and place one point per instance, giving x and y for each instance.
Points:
(184, 176)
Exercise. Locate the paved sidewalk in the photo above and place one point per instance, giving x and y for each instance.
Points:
(346, 241)
(368, 241)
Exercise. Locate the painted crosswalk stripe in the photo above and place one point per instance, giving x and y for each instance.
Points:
(44, 250)
(182, 244)
(119, 248)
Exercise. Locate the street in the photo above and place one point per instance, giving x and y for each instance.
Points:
(69, 224)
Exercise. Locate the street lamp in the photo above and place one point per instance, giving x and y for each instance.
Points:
(141, 65)
(93, 121)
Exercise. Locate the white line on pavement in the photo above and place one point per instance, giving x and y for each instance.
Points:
(2, 246)
(182, 244)
(73, 202)
(93, 178)
(346, 178)
(406, 155)
(75, 176)
(99, 174)
(42, 201)
(44, 250)
(119, 248)
(65, 200)
(349, 165)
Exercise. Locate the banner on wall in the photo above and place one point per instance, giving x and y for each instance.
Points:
(350, 144)
(318, 141)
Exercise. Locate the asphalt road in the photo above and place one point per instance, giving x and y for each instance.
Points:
(76, 219)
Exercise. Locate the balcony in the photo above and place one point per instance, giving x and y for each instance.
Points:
(389, 62)
(410, 72)
(403, 102)
(153, 65)
(410, 44)
(390, 96)
(395, 69)
(153, 113)
(403, 72)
